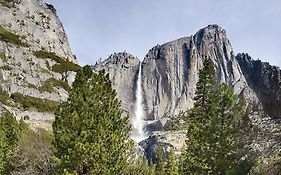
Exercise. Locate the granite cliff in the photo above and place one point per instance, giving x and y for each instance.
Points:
(170, 73)
(36, 65)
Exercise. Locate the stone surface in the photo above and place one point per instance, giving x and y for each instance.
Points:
(166, 140)
(172, 70)
(123, 69)
(170, 73)
(39, 28)
(265, 80)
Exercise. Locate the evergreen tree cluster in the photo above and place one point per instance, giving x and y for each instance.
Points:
(90, 135)
(9, 131)
(214, 144)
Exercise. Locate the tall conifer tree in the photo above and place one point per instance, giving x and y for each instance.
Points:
(91, 136)
(171, 166)
(9, 133)
(160, 168)
(213, 145)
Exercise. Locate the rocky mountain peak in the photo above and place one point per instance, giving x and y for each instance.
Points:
(121, 59)
(122, 68)
(211, 30)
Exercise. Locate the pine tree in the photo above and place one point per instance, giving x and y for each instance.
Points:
(91, 136)
(205, 85)
(151, 168)
(226, 126)
(160, 168)
(171, 167)
(9, 132)
(144, 166)
(193, 160)
(213, 145)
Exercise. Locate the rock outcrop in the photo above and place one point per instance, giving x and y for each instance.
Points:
(35, 57)
(123, 69)
(171, 71)
(265, 80)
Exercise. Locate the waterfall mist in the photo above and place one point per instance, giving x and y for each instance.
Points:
(138, 133)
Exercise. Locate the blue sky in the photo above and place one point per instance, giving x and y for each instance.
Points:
(97, 28)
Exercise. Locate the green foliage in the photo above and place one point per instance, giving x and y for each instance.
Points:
(91, 136)
(214, 145)
(49, 84)
(2, 55)
(6, 67)
(160, 168)
(176, 123)
(4, 97)
(57, 83)
(46, 87)
(9, 132)
(12, 38)
(171, 167)
(7, 3)
(29, 85)
(27, 102)
(33, 154)
(63, 64)
(139, 167)
(151, 169)
(50, 55)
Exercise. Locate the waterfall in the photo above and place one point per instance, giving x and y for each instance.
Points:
(138, 119)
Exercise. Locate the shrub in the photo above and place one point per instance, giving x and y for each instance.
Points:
(57, 83)
(27, 102)
(46, 87)
(65, 66)
(9, 37)
(34, 152)
(7, 3)
(29, 85)
(2, 55)
(62, 65)
(9, 132)
(4, 97)
(6, 67)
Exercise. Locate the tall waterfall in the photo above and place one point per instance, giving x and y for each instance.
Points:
(138, 119)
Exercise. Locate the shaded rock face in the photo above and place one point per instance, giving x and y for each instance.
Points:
(123, 69)
(265, 80)
(166, 141)
(171, 71)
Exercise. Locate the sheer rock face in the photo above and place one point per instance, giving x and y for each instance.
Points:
(123, 69)
(265, 80)
(38, 23)
(171, 71)
(28, 26)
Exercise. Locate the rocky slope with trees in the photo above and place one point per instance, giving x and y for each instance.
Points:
(36, 62)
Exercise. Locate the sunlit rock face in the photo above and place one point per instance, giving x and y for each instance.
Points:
(169, 76)
(172, 70)
(123, 70)
(35, 26)
(170, 73)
